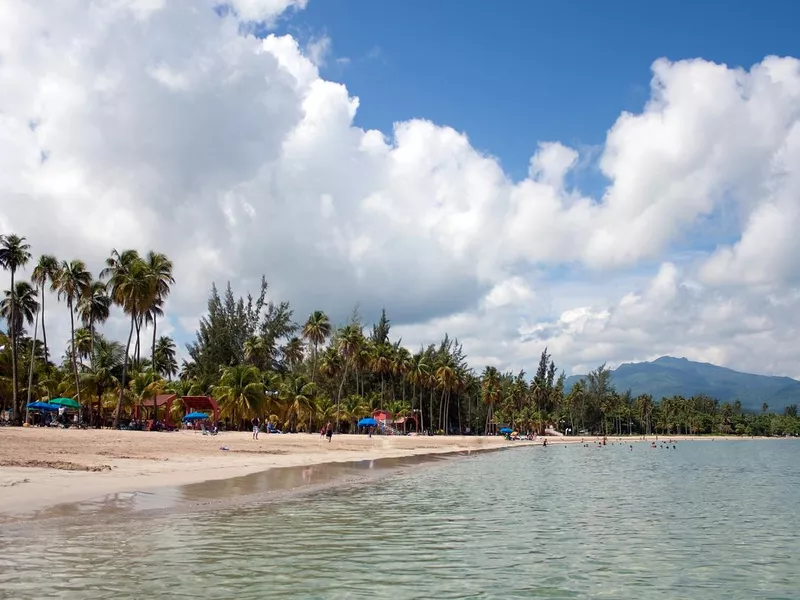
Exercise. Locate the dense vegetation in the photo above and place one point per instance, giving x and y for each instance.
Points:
(257, 360)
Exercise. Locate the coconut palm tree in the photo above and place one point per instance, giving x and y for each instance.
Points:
(94, 307)
(490, 391)
(316, 330)
(165, 362)
(73, 282)
(25, 311)
(160, 270)
(350, 341)
(382, 363)
(14, 254)
(45, 271)
(418, 371)
(144, 385)
(19, 308)
(83, 343)
(131, 287)
(103, 373)
(293, 352)
(297, 393)
(240, 393)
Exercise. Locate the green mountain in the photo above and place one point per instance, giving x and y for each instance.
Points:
(668, 376)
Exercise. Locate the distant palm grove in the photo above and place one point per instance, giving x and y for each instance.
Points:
(254, 358)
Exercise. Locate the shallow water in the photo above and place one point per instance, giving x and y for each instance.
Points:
(706, 520)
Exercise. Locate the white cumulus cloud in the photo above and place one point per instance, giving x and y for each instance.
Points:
(160, 124)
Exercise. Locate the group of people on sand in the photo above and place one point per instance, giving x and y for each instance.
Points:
(325, 432)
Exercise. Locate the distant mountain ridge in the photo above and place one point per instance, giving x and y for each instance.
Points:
(669, 376)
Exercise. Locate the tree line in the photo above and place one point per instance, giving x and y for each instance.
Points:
(254, 357)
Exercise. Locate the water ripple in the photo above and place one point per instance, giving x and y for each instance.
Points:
(706, 521)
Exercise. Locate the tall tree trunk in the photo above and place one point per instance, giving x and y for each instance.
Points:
(314, 375)
(458, 409)
(75, 359)
(44, 331)
(421, 411)
(15, 412)
(124, 372)
(91, 341)
(430, 407)
(99, 422)
(153, 350)
(339, 395)
(138, 348)
(33, 360)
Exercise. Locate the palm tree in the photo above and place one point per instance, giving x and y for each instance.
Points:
(293, 352)
(490, 391)
(73, 282)
(25, 311)
(14, 254)
(350, 341)
(240, 392)
(297, 392)
(132, 288)
(254, 350)
(160, 269)
(94, 307)
(19, 307)
(83, 343)
(146, 384)
(316, 330)
(165, 363)
(45, 271)
(382, 364)
(104, 372)
(418, 371)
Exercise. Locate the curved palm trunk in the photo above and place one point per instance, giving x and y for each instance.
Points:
(33, 360)
(75, 358)
(14, 386)
(124, 372)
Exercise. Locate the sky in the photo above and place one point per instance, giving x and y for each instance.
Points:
(613, 183)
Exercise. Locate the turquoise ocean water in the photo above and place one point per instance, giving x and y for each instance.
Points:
(706, 520)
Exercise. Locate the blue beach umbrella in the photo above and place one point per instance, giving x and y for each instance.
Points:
(195, 416)
(506, 430)
(42, 406)
(367, 422)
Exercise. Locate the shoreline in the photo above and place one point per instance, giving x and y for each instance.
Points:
(56, 468)
(41, 469)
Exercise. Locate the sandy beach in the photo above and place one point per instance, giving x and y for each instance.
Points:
(44, 467)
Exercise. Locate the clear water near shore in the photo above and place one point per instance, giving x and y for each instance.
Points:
(707, 520)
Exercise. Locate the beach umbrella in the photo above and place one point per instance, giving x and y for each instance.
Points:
(367, 422)
(195, 416)
(505, 430)
(42, 406)
(65, 402)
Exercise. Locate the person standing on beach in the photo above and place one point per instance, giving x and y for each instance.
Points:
(329, 431)
(256, 424)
